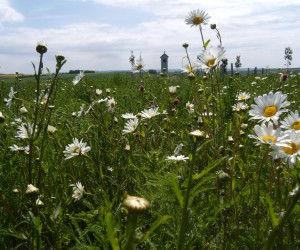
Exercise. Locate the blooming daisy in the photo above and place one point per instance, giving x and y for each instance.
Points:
(240, 106)
(149, 113)
(243, 96)
(138, 65)
(10, 97)
(111, 104)
(188, 69)
(291, 151)
(210, 58)
(172, 89)
(190, 107)
(268, 135)
(177, 158)
(269, 107)
(128, 116)
(130, 126)
(197, 133)
(78, 191)
(24, 131)
(76, 148)
(292, 121)
(197, 17)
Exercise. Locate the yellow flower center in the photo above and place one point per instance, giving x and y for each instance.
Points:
(270, 111)
(269, 139)
(296, 125)
(112, 104)
(139, 67)
(76, 150)
(211, 62)
(197, 20)
(292, 149)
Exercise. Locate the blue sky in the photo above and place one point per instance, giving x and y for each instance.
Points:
(99, 34)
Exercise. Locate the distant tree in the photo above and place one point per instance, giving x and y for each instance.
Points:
(288, 56)
(238, 63)
(223, 66)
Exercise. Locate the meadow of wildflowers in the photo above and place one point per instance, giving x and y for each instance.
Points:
(197, 160)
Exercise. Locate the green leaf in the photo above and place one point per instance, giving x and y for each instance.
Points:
(111, 233)
(271, 211)
(206, 43)
(176, 189)
(155, 225)
(207, 170)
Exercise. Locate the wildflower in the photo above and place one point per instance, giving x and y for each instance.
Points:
(190, 107)
(172, 89)
(41, 47)
(23, 110)
(188, 69)
(290, 152)
(78, 78)
(142, 88)
(31, 189)
(24, 131)
(267, 134)
(107, 90)
(16, 148)
(196, 18)
(243, 96)
(102, 100)
(210, 58)
(2, 118)
(294, 191)
(240, 106)
(78, 191)
(177, 158)
(176, 101)
(178, 149)
(269, 107)
(138, 65)
(130, 126)
(149, 113)
(98, 91)
(197, 133)
(292, 121)
(185, 45)
(76, 148)
(213, 26)
(128, 116)
(44, 98)
(284, 77)
(39, 202)
(51, 129)
(10, 97)
(136, 205)
(111, 104)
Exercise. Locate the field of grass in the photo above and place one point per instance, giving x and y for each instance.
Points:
(211, 190)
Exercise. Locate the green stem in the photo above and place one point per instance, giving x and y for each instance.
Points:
(132, 222)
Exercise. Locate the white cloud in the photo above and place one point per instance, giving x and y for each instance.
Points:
(8, 14)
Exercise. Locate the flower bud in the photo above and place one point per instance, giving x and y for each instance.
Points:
(185, 45)
(41, 47)
(213, 26)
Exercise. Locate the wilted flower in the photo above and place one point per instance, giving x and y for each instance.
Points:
(78, 191)
(76, 148)
(136, 205)
(196, 18)
(269, 107)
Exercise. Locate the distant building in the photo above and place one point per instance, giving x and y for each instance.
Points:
(164, 63)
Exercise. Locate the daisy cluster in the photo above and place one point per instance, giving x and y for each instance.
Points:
(283, 135)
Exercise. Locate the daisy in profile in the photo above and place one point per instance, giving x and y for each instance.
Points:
(78, 78)
(243, 96)
(291, 151)
(196, 18)
(128, 116)
(78, 191)
(10, 97)
(291, 122)
(189, 69)
(138, 65)
(240, 106)
(130, 126)
(269, 107)
(111, 104)
(177, 158)
(24, 131)
(149, 113)
(268, 135)
(209, 59)
(76, 148)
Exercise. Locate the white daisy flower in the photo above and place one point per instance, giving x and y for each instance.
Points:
(210, 58)
(188, 69)
(76, 148)
(177, 158)
(98, 91)
(268, 135)
(196, 18)
(111, 104)
(269, 107)
(15, 148)
(24, 131)
(243, 96)
(240, 106)
(23, 110)
(292, 121)
(190, 107)
(31, 189)
(128, 116)
(291, 151)
(197, 133)
(10, 97)
(149, 113)
(78, 78)
(130, 126)
(51, 129)
(138, 65)
(78, 191)
(173, 89)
